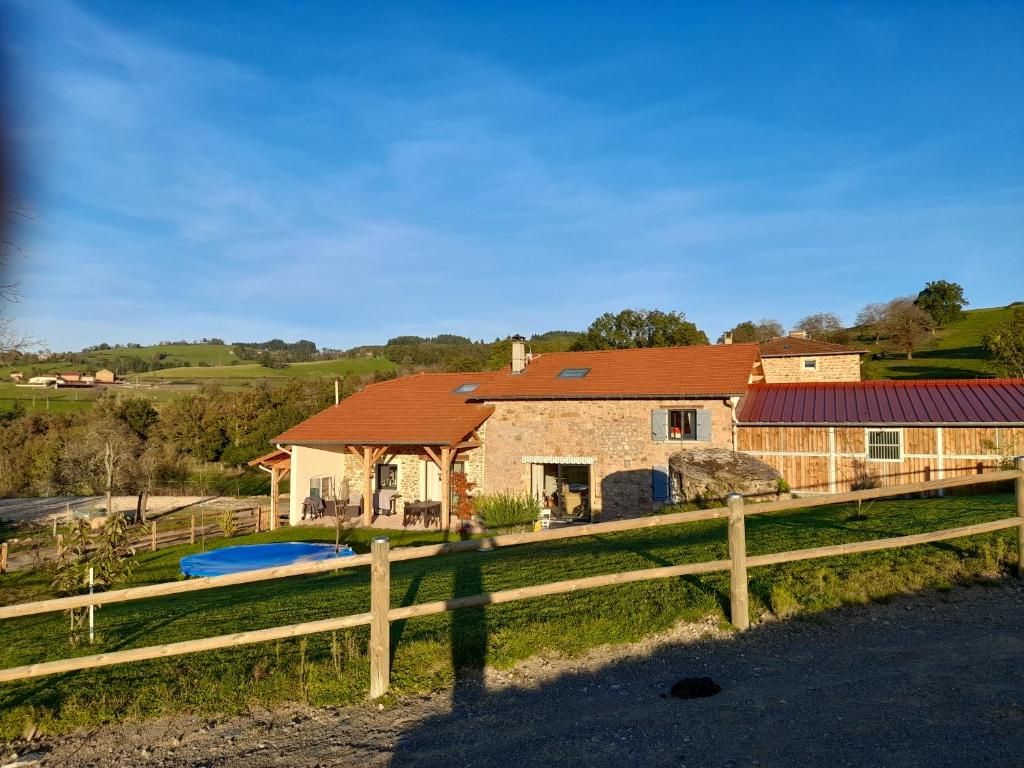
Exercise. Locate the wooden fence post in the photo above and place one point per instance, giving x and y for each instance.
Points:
(60, 544)
(152, 537)
(1019, 493)
(192, 530)
(3, 557)
(380, 627)
(738, 604)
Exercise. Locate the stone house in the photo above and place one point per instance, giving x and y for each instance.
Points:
(593, 432)
(796, 358)
(582, 431)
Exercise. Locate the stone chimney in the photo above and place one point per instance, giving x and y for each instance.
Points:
(798, 334)
(727, 338)
(519, 360)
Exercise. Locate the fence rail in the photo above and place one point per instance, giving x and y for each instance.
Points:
(381, 613)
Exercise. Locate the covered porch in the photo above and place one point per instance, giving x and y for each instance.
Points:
(379, 485)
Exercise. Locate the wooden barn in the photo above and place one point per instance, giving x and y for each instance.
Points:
(834, 437)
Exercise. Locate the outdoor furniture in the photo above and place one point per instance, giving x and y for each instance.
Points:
(571, 502)
(312, 507)
(544, 518)
(422, 511)
(354, 508)
(385, 501)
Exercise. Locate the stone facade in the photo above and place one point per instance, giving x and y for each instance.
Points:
(615, 433)
(792, 370)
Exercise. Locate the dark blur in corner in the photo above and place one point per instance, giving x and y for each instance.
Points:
(6, 174)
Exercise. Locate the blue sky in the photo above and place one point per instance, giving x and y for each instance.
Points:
(358, 171)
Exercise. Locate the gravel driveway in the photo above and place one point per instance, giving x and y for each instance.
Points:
(934, 679)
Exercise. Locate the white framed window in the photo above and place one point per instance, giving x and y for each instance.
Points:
(321, 486)
(884, 444)
(810, 363)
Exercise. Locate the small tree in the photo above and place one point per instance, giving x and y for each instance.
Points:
(906, 325)
(943, 301)
(824, 326)
(871, 319)
(461, 486)
(1004, 344)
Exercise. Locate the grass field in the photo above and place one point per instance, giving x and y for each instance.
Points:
(253, 371)
(333, 669)
(952, 353)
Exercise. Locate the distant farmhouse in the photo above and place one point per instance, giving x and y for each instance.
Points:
(66, 379)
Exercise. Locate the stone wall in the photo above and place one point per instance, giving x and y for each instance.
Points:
(787, 370)
(617, 433)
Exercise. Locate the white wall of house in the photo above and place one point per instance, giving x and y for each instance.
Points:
(308, 463)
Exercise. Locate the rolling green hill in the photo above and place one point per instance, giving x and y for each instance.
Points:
(252, 371)
(952, 353)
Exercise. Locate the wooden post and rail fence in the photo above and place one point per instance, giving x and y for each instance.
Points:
(381, 614)
(245, 521)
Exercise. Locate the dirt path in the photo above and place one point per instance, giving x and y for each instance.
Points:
(929, 680)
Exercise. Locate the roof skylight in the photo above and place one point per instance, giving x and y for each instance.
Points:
(464, 389)
(573, 373)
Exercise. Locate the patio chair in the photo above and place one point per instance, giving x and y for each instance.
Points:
(354, 507)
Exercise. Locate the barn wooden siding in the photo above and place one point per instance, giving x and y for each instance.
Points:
(823, 459)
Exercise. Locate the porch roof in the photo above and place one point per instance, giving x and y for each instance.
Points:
(423, 409)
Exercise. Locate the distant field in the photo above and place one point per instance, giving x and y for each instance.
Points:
(214, 354)
(953, 353)
(63, 400)
(251, 371)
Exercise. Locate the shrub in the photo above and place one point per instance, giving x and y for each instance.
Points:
(504, 510)
(227, 523)
(782, 486)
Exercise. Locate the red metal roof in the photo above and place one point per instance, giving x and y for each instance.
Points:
(978, 401)
(414, 410)
(792, 346)
(659, 372)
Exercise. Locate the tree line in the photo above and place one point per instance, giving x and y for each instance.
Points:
(127, 445)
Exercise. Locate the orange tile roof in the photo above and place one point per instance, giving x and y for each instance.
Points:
(414, 410)
(629, 373)
(791, 346)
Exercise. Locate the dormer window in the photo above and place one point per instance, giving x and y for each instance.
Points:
(465, 389)
(573, 373)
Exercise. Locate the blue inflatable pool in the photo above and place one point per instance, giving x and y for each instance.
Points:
(250, 557)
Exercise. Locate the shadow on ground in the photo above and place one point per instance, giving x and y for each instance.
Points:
(930, 680)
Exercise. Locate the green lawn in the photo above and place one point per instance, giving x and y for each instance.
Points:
(952, 353)
(333, 669)
(340, 367)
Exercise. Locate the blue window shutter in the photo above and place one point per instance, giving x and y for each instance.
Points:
(703, 425)
(659, 425)
(659, 484)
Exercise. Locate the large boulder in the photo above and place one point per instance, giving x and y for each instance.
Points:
(711, 474)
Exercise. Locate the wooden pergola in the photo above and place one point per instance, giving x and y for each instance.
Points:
(279, 464)
(441, 455)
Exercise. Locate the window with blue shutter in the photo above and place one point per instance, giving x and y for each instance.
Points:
(659, 485)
